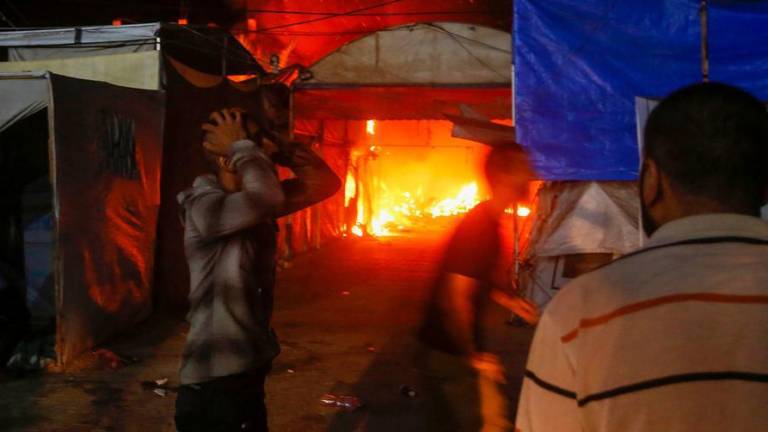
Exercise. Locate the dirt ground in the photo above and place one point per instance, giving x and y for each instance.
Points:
(345, 316)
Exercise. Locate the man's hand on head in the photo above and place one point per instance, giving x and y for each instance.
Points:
(225, 128)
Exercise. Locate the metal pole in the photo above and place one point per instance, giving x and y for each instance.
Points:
(704, 41)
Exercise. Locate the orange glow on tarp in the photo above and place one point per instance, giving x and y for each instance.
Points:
(329, 24)
(240, 78)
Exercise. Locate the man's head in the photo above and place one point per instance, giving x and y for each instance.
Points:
(508, 172)
(240, 125)
(250, 129)
(706, 151)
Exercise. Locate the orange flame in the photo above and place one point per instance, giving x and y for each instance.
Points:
(464, 201)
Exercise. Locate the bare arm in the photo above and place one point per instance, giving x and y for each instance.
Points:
(518, 305)
(218, 213)
(457, 305)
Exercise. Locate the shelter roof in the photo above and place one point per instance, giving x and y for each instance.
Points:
(199, 47)
(400, 102)
(304, 31)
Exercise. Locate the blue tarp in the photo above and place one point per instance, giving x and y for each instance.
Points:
(579, 64)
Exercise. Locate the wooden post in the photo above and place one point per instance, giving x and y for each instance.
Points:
(704, 41)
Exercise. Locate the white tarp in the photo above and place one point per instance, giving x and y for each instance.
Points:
(23, 95)
(135, 70)
(46, 53)
(79, 35)
(439, 53)
(594, 223)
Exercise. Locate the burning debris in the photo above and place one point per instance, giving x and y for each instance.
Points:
(404, 176)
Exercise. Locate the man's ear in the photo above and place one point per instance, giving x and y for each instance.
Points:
(650, 182)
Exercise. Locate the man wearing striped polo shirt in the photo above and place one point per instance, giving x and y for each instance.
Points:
(673, 337)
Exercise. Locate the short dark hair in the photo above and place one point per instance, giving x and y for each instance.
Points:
(711, 139)
(506, 160)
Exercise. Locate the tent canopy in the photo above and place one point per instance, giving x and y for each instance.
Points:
(209, 50)
(24, 94)
(419, 71)
(432, 53)
(580, 65)
(305, 31)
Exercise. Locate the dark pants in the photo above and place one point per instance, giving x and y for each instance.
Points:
(231, 403)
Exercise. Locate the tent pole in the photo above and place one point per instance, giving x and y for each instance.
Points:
(704, 41)
(224, 50)
(516, 277)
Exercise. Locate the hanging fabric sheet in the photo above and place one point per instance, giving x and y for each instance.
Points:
(580, 64)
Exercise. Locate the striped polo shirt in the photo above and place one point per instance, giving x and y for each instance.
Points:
(673, 337)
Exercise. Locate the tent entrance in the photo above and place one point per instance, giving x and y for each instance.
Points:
(26, 224)
(26, 242)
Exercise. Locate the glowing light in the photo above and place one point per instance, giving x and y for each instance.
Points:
(356, 230)
(464, 201)
(370, 127)
(379, 223)
(183, 21)
(350, 188)
(251, 24)
(240, 78)
(522, 211)
(117, 22)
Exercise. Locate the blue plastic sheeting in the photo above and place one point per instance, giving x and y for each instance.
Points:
(579, 64)
(738, 45)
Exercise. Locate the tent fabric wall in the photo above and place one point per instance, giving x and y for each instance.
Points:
(106, 204)
(136, 70)
(578, 67)
(586, 217)
(421, 53)
(23, 95)
(738, 53)
(580, 64)
(395, 102)
(577, 221)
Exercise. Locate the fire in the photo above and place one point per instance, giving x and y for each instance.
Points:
(406, 175)
(350, 188)
(464, 201)
(395, 212)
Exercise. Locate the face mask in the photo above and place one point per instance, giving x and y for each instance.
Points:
(649, 225)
